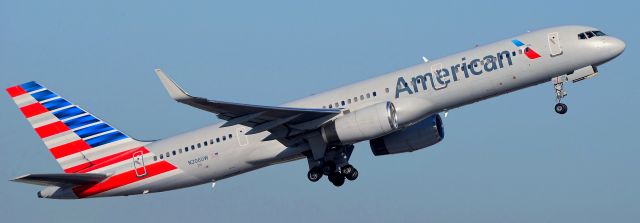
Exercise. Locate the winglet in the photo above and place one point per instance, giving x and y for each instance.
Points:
(174, 90)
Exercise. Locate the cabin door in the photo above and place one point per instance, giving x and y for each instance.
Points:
(554, 44)
(138, 164)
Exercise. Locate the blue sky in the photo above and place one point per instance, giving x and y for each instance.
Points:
(507, 159)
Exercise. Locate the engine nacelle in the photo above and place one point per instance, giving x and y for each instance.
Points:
(418, 136)
(364, 124)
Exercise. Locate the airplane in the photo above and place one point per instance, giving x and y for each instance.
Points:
(396, 112)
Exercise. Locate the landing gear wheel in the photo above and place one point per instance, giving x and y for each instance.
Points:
(349, 172)
(328, 167)
(337, 179)
(353, 175)
(314, 174)
(561, 108)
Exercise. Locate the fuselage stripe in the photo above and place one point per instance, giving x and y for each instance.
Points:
(123, 179)
(108, 160)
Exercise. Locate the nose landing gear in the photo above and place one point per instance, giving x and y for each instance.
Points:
(558, 85)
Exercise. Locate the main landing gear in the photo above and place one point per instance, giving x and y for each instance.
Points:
(335, 165)
(558, 85)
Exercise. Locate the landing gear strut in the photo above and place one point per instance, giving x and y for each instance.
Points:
(335, 165)
(558, 85)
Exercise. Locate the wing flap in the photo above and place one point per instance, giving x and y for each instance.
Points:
(61, 179)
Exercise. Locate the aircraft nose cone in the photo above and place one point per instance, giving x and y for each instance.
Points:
(616, 46)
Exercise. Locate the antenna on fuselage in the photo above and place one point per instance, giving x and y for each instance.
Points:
(425, 59)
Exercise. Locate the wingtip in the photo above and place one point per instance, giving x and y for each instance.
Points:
(172, 88)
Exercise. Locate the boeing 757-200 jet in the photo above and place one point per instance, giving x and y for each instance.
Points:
(397, 112)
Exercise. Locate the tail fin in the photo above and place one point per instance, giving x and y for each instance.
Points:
(76, 139)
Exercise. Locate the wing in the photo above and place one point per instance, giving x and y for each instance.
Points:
(61, 179)
(280, 121)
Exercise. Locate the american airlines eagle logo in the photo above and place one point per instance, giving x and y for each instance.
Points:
(530, 53)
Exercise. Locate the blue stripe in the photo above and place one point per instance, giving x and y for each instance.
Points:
(68, 112)
(55, 104)
(105, 139)
(43, 95)
(30, 86)
(80, 121)
(92, 130)
(517, 43)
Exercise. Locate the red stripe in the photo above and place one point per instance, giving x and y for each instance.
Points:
(122, 179)
(33, 110)
(105, 161)
(77, 168)
(16, 91)
(531, 54)
(69, 148)
(51, 129)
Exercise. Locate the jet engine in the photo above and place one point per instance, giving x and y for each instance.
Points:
(417, 136)
(363, 124)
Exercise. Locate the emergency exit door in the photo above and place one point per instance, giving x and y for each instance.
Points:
(554, 44)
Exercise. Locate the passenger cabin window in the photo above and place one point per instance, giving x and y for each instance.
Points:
(155, 158)
(224, 138)
(174, 152)
(167, 154)
(374, 93)
(199, 145)
(161, 157)
(230, 136)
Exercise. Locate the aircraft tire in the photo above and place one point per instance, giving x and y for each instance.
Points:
(561, 108)
(336, 179)
(314, 174)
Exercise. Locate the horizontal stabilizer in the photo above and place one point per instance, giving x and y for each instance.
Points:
(61, 179)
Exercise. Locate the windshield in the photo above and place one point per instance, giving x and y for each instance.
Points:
(590, 34)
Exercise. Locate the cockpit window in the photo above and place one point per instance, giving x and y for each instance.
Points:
(582, 36)
(590, 34)
(599, 33)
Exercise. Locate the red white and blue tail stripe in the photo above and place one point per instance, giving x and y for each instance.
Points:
(78, 140)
